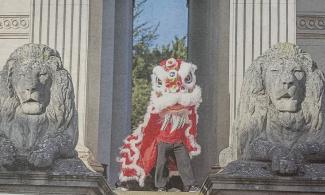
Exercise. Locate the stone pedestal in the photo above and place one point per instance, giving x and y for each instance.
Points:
(67, 177)
(255, 178)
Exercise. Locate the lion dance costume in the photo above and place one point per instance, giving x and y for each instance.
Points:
(169, 124)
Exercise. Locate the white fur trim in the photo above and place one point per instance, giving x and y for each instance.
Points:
(191, 138)
(140, 173)
(156, 105)
(170, 99)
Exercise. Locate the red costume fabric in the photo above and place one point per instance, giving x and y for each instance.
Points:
(171, 117)
(139, 151)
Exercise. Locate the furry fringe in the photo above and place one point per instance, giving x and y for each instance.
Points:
(185, 99)
(156, 105)
(138, 133)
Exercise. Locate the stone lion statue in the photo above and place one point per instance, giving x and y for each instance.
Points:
(38, 120)
(281, 110)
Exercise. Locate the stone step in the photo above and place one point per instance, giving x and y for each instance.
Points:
(154, 193)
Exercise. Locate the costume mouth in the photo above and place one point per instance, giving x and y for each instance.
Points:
(176, 107)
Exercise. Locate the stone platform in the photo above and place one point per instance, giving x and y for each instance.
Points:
(67, 177)
(255, 178)
(155, 193)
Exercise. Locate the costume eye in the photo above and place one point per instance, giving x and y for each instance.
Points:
(159, 82)
(189, 78)
(172, 74)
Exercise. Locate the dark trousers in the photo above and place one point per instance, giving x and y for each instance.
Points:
(183, 164)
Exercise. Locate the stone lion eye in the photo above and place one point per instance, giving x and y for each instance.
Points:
(188, 79)
(299, 74)
(274, 70)
(42, 74)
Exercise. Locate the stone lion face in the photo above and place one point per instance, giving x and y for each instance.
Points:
(285, 83)
(31, 82)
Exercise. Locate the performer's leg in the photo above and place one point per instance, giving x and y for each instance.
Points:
(161, 174)
(184, 165)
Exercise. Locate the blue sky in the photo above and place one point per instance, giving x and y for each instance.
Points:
(172, 15)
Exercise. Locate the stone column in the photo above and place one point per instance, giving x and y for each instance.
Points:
(208, 49)
(115, 97)
(63, 25)
(255, 25)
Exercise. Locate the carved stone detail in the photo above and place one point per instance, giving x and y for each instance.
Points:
(14, 22)
(311, 22)
(38, 120)
(281, 111)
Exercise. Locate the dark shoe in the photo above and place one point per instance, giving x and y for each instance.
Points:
(121, 186)
(192, 188)
(162, 189)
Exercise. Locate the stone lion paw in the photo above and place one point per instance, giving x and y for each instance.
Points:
(44, 155)
(41, 159)
(7, 153)
(284, 165)
(288, 167)
(285, 162)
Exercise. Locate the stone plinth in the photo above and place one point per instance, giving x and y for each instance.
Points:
(248, 177)
(67, 177)
(154, 193)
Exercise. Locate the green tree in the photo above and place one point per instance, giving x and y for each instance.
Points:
(145, 57)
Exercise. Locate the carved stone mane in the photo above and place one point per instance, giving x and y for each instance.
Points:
(281, 111)
(38, 121)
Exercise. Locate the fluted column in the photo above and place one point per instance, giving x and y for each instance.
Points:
(255, 25)
(63, 25)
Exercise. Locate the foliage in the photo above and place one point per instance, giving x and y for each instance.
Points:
(145, 57)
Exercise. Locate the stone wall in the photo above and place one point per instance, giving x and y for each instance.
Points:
(311, 28)
(15, 26)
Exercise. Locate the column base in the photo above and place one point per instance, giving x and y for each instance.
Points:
(255, 178)
(66, 177)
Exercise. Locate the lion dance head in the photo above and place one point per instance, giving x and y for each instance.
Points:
(38, 120)
(174, 85)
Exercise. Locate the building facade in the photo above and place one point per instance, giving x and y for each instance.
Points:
(94, 38)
